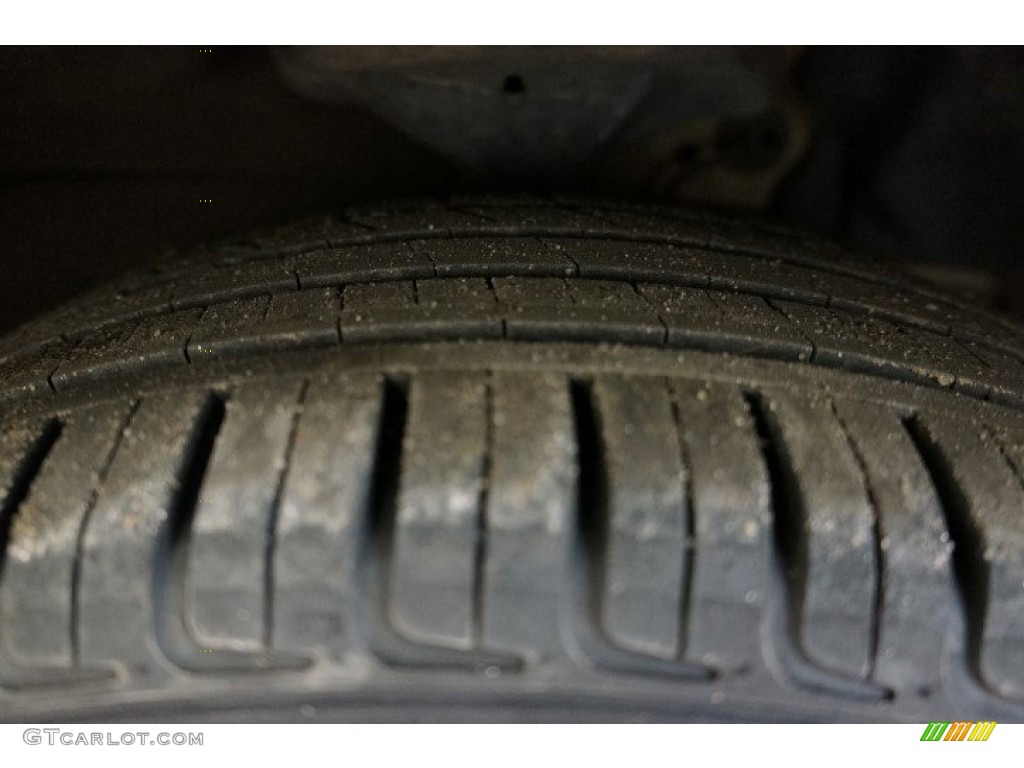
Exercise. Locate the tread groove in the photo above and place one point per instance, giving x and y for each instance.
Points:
(275, 508)
(76, 566)
(382, 506)
(480, 548)
(170, 570)
(788, 516)
(969, 567)
(784, 621)
(876, 534)
(593, 500)
(692, 553)
(587, 571)
(377, 557)
(21, 483)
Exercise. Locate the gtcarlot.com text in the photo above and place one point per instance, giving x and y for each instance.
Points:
(57, 736)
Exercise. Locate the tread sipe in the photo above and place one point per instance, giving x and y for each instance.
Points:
(513, 460)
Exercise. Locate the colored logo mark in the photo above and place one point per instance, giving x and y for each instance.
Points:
(959, 731)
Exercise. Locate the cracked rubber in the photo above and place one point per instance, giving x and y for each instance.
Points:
(513, 460)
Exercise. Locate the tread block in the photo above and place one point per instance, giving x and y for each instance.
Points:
(732, 524)
(610, 296)
(155, 341)
(770, 277)
(127, 304)
(231, 526)
(518, 293)
(50, 328)
(919, 593)
(636, 223)
(891, 303)
(1000, 373)
(716, 320)
(323, 515)
(433, 569)
(385, 311)
(27, 374)
(422, 324)
(862, 343)
(441, 220)
(278, 322)
(36, 588)
(992, 494)
(839, 578)
(706, 229)
(224, 328)
(305, 318)
(91, 354)
(543, 308)
(528, 217)
(530, 501)
(646, 540)
(235, 282)
(360, 264)
(372, 297)
(311, 232)
(130, 518)
(482, 257)
(456, 294)
(633, 261)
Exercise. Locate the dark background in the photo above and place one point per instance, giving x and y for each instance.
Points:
(106, 154)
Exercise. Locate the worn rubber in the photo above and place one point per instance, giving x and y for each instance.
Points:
(513, 460)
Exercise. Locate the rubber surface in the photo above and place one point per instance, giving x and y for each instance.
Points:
(513, 460)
